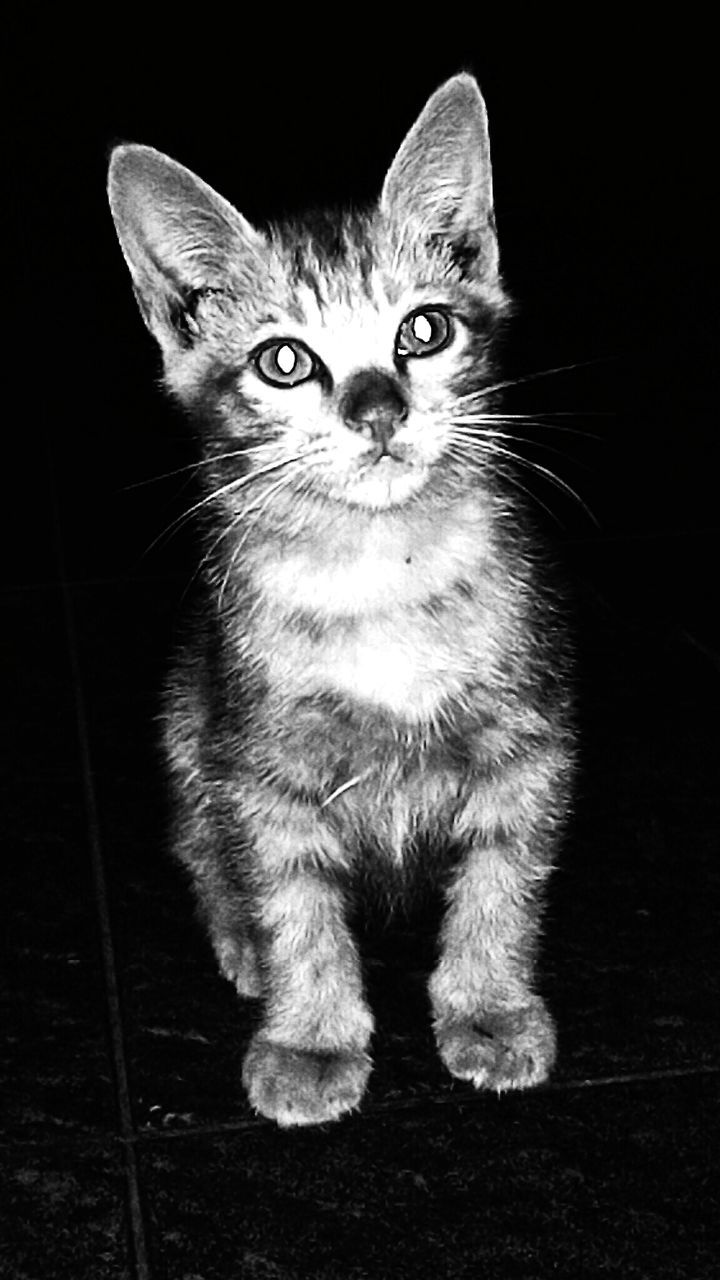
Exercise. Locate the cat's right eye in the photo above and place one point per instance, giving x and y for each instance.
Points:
(284, 362)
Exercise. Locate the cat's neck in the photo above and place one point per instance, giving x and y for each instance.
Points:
(365, 563)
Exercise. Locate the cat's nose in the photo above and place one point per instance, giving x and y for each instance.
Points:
(373, 404)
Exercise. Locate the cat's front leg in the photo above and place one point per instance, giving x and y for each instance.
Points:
(308, 1062)
(490, 1025)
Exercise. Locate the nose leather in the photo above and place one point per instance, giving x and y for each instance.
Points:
(373, 404)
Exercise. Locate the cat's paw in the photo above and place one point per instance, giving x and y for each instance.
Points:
(238, 963)
(502, 1049)
(292, 1086)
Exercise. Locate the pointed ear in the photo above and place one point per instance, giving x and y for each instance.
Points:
(439, 185)
(179, 238)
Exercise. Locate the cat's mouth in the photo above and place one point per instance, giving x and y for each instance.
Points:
(388, 462)
(387, 455)
(386, 476)
(388, 466)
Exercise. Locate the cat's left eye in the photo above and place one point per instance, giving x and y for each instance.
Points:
(284, 362)
(423, 333)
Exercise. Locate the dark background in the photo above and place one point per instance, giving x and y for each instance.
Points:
(127, 1148)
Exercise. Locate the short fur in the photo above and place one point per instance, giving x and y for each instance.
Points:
(375, 662)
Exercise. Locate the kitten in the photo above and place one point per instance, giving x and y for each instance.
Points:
(374, 663)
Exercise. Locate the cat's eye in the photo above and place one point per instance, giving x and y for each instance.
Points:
(423, 333)
(284, 362)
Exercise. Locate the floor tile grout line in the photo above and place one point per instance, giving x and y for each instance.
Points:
(137, 1224)
(108, 951)
(146, 1135)
(471, 1102)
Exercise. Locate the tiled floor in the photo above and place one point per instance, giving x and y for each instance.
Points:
(128, 1149)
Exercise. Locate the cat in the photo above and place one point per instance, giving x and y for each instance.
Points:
(376, 659)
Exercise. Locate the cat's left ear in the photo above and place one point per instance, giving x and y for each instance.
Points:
(440, 183)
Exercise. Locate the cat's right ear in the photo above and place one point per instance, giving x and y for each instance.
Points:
(179, 237)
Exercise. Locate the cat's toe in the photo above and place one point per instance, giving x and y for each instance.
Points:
(501, 1049)
(294, 1087)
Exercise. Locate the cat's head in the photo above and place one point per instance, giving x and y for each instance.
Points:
(336, 349)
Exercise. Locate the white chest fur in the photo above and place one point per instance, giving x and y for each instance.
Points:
(403, 664)
(380, 638)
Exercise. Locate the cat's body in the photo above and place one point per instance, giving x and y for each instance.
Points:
(374, 663)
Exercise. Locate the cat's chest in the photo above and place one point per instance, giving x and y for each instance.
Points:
(401, 663)
(401, 625)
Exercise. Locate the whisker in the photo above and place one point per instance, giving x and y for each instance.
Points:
(527, 419)
(474, 399)
(510, 478)
(513, 438)
(284, 482)
(241, 516)
(456, 450)
(492, 450)
(541, 413)
(546, 373)
(209, 553)
(202, 462)
(238, 483)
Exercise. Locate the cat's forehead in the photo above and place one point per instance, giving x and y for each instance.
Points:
(332, 258)
(346, 286)
(349, 333)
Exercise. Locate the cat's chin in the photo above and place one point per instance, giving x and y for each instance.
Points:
(387, 483)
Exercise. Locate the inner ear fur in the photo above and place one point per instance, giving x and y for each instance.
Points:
(440, 183)
(178, 236)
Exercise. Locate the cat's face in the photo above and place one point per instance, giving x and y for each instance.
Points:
(352, 389)
(361, 391)
(337, 363)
